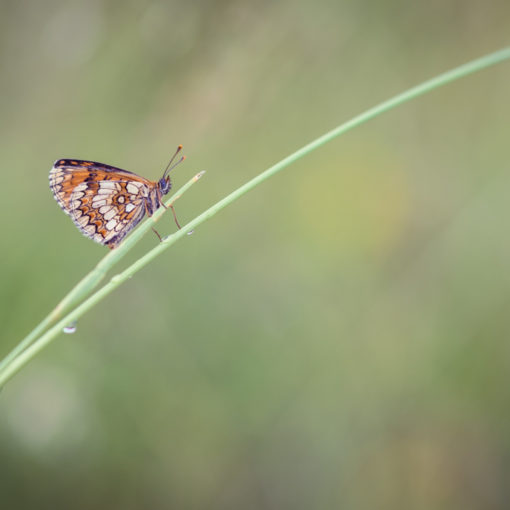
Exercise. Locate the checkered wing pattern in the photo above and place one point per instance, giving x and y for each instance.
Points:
(104, 202)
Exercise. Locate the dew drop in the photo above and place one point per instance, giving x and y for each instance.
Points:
(70, 328)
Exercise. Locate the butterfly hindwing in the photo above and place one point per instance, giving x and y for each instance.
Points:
(104, 202)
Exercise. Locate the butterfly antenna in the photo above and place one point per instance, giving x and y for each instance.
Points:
(171, 165)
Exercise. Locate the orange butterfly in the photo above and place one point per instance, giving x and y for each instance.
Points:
(105, 202)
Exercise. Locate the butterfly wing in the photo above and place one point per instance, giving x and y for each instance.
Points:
(66, 174)
(104, 202)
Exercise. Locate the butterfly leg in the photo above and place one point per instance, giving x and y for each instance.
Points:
(173, 212)
(175, 217)
(157, 233)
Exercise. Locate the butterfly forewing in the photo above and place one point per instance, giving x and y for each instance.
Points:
(104, 202)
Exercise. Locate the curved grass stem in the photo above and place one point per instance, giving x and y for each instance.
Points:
(34, 342)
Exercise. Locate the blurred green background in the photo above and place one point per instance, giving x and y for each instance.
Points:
(339, 338)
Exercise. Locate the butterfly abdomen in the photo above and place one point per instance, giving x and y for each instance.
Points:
(152, 202)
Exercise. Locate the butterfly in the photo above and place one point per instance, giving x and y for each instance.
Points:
(106, 202)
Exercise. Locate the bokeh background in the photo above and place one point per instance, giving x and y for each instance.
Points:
(339, 338)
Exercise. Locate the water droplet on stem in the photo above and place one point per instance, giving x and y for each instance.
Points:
(70, 328)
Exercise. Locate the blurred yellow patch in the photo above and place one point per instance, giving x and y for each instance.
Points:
(356, 203)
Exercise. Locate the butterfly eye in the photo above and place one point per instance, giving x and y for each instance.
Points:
(164, 185)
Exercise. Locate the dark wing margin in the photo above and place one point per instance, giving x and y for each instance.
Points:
(83, 164)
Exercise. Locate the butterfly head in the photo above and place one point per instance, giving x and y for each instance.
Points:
(164, 184)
